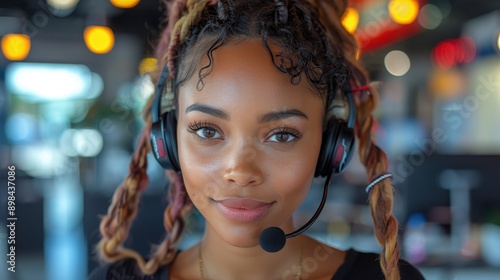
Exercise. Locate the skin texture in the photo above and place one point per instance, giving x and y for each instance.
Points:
(238, 154)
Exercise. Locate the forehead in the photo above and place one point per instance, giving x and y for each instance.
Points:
(244, 71)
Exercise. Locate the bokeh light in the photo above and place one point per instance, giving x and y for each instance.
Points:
(16, 47)
(21, 127)
(40, 160)
(63, 4)
(453, 52)
(147, 65)
(430, 16)
(397, 63)
(81, 142)
(498, 41)
(62, 8)
(48, 81)
(403, 11)
(446, 84)
(99, 39)
(350, 20)
(125, 4)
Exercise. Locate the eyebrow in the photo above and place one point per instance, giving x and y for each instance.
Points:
(268, 117)
(208, 110)
(279, 115)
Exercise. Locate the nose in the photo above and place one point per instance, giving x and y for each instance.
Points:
(243, 168)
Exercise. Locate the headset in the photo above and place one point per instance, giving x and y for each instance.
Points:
(336, 150)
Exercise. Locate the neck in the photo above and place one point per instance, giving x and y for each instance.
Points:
(222, 260)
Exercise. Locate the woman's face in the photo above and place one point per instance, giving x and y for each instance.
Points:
(248, 143)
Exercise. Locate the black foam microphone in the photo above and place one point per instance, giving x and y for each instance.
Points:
(273, 239)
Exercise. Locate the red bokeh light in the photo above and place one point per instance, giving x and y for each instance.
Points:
(453, 52)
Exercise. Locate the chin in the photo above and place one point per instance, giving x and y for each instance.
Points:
(245, 235)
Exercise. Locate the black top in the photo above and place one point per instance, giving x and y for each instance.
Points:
(356, 266)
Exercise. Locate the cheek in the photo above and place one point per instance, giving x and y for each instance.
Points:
(200, 170)
(290, 177)
(292, 181)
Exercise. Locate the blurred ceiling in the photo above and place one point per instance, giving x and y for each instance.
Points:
(59, 39)
(143, 21)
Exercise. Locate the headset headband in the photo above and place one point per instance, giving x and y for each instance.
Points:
(156, 108)
(351, 119)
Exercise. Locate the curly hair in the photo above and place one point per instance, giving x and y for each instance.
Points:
(309, 42)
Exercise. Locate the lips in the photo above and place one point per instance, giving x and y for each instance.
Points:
(242, 209)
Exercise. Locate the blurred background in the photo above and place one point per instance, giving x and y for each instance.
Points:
(73, 78)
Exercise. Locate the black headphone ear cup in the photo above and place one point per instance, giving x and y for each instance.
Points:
(344, 148)
(170, 135)
(337, 148)
(164, 141)
(325, 153)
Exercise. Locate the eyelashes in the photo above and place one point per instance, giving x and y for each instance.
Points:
(285, 135)
(206, 131)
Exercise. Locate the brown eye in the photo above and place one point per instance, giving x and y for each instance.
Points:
(204, 131)
(208, 133)
(282, 137)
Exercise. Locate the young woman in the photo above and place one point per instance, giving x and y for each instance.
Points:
(254, 99)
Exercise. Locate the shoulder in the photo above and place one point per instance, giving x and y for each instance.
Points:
(359, 265)
(126, 269)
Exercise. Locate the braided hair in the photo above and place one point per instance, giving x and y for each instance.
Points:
(311, 43)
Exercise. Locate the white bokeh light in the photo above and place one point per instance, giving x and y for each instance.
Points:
(397, 63)
(81, 142)
(63, 4)
(38, 82)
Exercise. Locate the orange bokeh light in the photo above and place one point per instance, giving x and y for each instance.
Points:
(125, 4)
(16, 47)
(350, 20)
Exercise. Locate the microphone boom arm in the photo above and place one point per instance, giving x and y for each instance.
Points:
(317, 213)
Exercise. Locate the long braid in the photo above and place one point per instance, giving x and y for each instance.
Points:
(116, 224)
(381, 195)
(372, 157)
(122, 211)
(174, 223)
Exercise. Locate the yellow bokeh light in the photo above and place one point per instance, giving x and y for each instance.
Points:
(498, 41)
(16, 47)
(147, 65)
(350, 20)
(125, 4)
(403, 11)
(99, 39)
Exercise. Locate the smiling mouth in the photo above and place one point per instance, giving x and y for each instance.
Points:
(242, 209)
